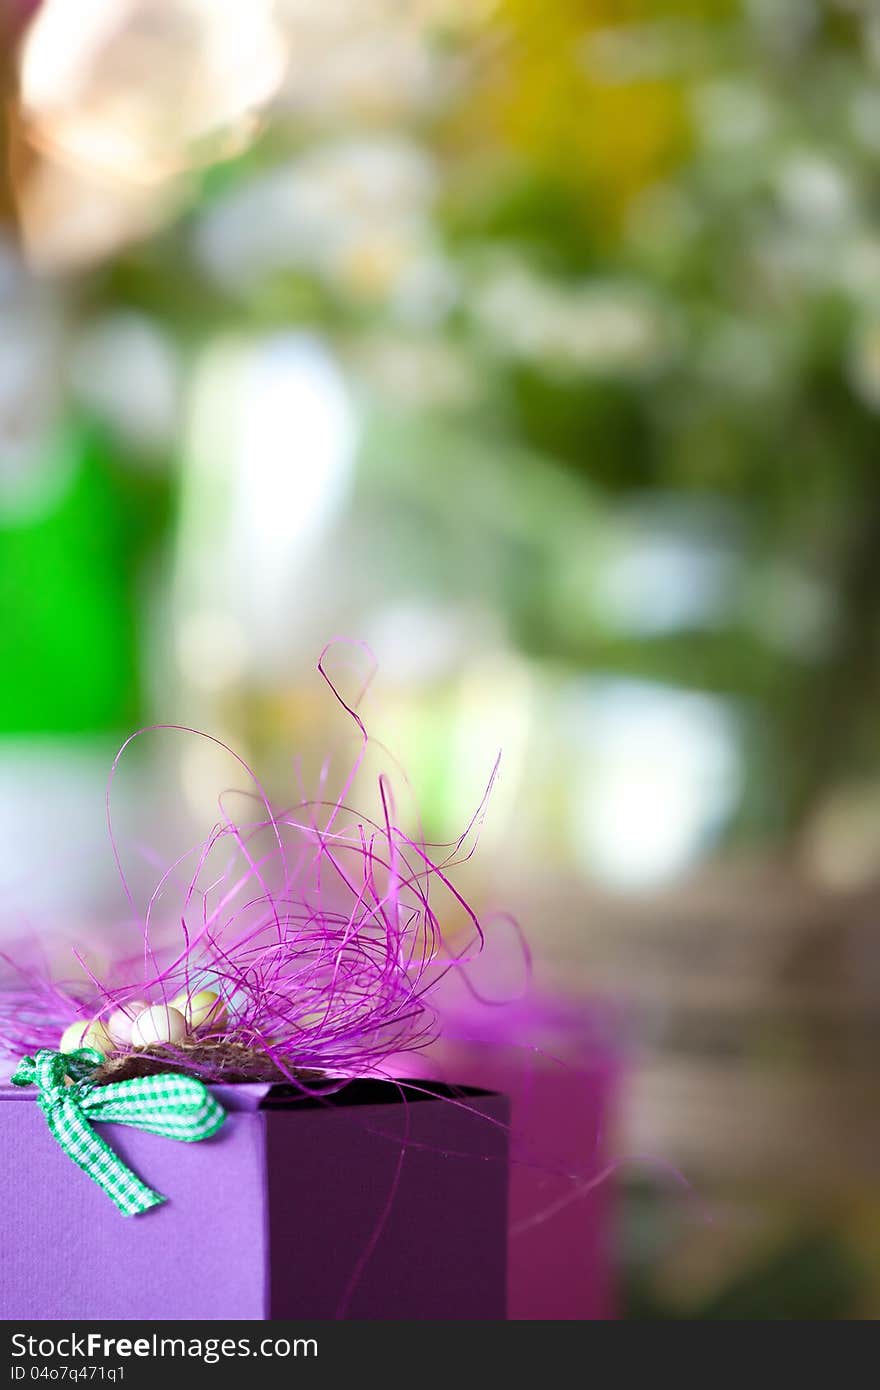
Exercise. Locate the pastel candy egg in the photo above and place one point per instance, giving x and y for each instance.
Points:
(86, 1033)
(203, 1009)
(161, 1023)
(120, 1022)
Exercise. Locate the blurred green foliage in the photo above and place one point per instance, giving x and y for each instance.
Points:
(678, 306)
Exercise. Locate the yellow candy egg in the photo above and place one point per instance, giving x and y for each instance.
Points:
(204, 1009)
(119, 1024)
(161, 1023)
(86, 1033)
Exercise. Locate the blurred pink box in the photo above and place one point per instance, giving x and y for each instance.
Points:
(553, 1058)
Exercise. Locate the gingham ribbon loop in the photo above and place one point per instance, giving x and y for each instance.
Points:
(175, 1106)
(50, 1071)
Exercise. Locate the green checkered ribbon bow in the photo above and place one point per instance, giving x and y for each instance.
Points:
(175, 1106)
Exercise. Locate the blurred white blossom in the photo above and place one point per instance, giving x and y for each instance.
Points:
(418, 372)
(655, 775)
(363, 58)
(118, 101)
(731, 114)
(354, 211)
(593, 327)
(657, 579)
(125, 369)
(814, 191)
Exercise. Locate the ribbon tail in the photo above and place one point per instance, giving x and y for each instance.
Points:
(80, 1142)
(176, 1107)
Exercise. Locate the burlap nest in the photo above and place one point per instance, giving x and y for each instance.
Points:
(220, 1062)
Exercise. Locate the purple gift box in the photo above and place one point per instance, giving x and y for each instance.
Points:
(364, 1205)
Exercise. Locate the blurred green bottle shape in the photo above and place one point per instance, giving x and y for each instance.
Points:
(72, 534)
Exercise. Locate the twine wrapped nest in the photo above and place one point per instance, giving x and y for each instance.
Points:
(221, 1062)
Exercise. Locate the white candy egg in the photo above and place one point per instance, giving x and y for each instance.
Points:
(86, 1033)
(120, 1022)
(203, 1009)
(161, 1023)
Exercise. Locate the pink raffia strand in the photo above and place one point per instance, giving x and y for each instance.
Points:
(318, 926)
